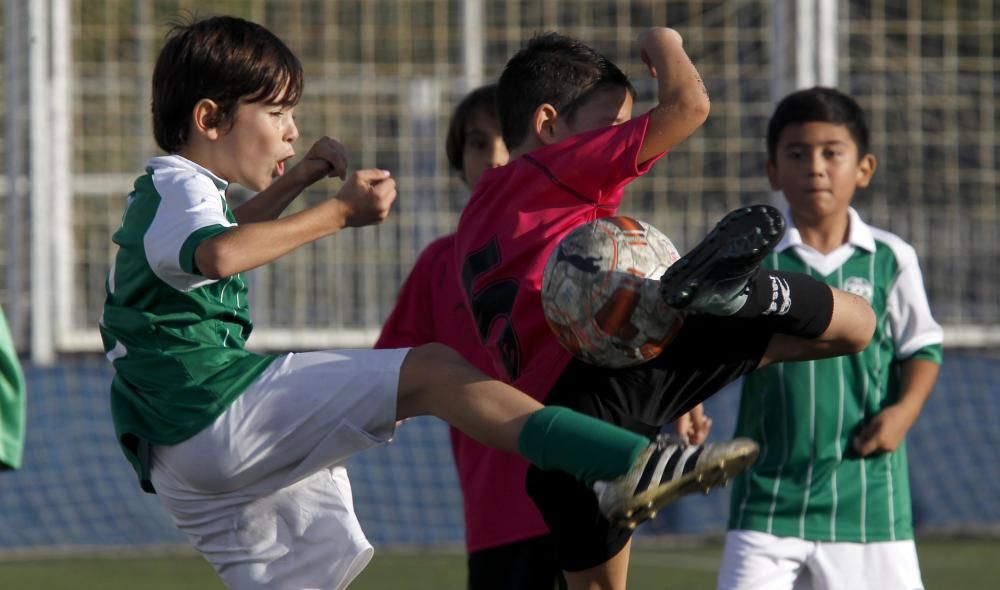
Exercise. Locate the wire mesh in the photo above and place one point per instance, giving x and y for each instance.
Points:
(383, 75)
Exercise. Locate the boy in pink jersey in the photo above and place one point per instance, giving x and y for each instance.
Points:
(565, 111)
(508, 543)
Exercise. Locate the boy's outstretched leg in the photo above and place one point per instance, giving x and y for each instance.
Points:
(633, 475)
(721, 276)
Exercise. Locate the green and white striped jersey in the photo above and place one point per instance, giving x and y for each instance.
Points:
(808, 482)
(13, 412)
(175, 338)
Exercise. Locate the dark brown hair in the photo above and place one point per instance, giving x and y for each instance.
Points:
(484, 99)
(225, 59)
(818, 104)
(553, 69)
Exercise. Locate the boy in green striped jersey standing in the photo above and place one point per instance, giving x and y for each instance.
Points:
(827, 505)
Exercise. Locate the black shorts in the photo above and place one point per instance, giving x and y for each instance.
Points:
(530, 564)
(708, 353)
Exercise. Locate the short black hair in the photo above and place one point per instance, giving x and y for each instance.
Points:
(226, 59)
(553, 69)
(818, 104)
(484, 99)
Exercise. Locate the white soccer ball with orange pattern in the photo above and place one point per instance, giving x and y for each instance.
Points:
(600, 292)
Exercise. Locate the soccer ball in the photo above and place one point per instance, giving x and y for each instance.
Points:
(600, 292)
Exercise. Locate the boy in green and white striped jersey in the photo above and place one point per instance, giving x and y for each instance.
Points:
(827, 505)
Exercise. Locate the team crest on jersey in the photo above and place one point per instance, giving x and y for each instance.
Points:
(860, 287)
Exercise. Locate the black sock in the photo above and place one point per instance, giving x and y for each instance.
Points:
(792, 302)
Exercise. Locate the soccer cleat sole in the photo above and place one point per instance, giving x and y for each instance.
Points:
(715, 472)
(738, 243)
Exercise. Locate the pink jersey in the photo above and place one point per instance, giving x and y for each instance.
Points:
(431, 308)
(515, 218)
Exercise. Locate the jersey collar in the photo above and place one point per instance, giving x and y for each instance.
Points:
(178, 161)
(859, 234)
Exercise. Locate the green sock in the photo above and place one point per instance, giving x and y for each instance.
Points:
(585, 447)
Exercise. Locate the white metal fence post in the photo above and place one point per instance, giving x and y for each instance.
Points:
(61, 189)
(14, 139)
(39, 94)
(472, 43)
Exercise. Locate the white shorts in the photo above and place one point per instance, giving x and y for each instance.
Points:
(262, 493)
(758, 561)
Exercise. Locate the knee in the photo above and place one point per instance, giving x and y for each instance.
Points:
(432, 363)
(428, 372)
(435, 354)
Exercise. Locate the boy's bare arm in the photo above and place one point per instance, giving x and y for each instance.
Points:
(326, 158)
(887, 429)
(683, 100)
(365, 199)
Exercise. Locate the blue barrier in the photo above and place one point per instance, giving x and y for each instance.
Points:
(76, 489)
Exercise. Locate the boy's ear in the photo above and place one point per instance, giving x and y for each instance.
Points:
(866, 169)
(543, 123)
(205, 119)
(772, 174)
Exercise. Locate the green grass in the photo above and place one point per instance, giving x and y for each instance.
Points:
(951, 565)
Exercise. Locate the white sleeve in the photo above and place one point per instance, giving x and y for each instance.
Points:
(189, 202)
(913, 326)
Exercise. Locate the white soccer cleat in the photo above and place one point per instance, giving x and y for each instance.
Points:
(668, 469)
